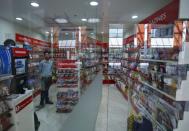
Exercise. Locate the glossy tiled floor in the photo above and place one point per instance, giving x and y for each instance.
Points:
(108, 114)
(50, 120)
(113, 111)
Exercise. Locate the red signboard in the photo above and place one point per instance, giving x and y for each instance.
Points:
(105, 45)
(68, 61)
(23, 104)
(19, 52)
(67, 64)
(22, 39)
(166, 15)
(129, 40)
(106, 82)
(98, 43)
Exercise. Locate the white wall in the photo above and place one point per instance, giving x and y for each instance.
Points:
(184, 9)
(8, 30)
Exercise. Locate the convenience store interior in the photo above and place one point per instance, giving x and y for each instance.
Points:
(116, 65)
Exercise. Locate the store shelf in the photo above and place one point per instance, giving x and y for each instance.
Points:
(122, 92)
(5, 77)
(6, 112)
(150, 116)
(161, 92)
(68, 69)
(160, 61)
(165, 74)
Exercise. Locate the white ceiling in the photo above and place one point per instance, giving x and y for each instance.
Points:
(109, 11)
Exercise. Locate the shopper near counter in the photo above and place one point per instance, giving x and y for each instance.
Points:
(45, 69)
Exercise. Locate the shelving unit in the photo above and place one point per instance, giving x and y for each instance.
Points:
(5, 110)
(90, 58)
(154, 76)
(105, 57)
(68, 82)
(5, 88)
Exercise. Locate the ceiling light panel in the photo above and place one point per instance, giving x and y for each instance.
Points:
(93, 20)
(34, 4)
(93, 3)
(61, 20)
(134, 17)
(84, 20)
(19, 19)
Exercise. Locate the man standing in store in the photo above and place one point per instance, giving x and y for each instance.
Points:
(45, 70)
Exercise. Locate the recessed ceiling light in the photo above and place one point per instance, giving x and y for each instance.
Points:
(84, 19)
(93, 20)
(19, 19)
(93, 3)
(61, 20)
(34, 4)
(134, 17)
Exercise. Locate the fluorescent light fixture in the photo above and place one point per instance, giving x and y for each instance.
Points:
(93, 20)
(83, 19)
(134, 17)
(19, 19)
(102, 32)
(47, 32)
(61, 20)
(93, 3)
(34, 4)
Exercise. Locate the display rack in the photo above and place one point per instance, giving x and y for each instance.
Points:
(153, 75)
(90, 58)
(5, 109)
(68, 74)
(105, 57)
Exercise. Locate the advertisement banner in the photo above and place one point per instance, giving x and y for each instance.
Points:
(20, 52)
(166, 15)
(32, 41)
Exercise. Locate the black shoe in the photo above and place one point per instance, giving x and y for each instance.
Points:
(49, 102)
(41, 106)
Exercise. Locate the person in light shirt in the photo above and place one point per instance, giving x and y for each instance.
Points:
(45, 70)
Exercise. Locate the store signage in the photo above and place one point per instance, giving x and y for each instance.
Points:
(19, 52)
(129, 39)
(23, 104)
(98, 43)
(23, 39)
(105, 45)
(68, 61)
(107, 82)
(67, 64)
(166, 15)
(102, 44)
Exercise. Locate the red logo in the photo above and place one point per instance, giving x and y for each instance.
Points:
(23, 104)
